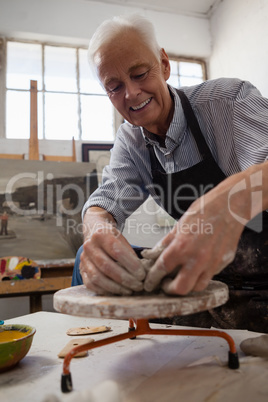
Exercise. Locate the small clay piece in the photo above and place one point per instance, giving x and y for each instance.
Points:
(87, 330)
(255, 346)
(149, 258)
(153, 253)
(72, 344)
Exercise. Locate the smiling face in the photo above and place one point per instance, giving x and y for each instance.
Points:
(135, 81)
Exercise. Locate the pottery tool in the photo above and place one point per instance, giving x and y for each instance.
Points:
(74, 343)
(87, 330)
(138, 309)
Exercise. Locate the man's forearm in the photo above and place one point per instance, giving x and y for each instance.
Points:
(258, 180)
(245, 193)
(95, 218)
(253, 185)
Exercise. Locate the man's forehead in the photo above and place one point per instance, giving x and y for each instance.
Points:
(130, 46)
(110, 67)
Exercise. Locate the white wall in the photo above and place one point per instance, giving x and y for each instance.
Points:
(74, 21)
(239, 32)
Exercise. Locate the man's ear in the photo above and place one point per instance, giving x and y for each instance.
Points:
(165, 64)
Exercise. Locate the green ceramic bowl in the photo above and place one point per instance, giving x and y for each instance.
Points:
(15, 342)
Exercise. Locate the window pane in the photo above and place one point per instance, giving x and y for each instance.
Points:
(173, 67)
(24, 63)
(60, 69)
(88, 82)
(188, 81)
(191, 69)
(18, 114)
(97, 118)
(173, 81)
(61, 116)
(40, 115)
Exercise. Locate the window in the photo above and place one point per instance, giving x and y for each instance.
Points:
(186, 72)
(71, 102)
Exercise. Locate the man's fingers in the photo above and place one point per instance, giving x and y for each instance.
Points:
(128, 259)
(159, 270)
(187, 275)
(100, 282)
(117, 248)
(155, 275)
(202, 282)
(102, 263)
(170, 286)
(154, 253)
(94, 288)
(166, 286)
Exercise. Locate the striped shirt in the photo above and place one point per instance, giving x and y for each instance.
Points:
(233, 117)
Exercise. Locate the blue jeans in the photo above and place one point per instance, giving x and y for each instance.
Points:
(77, 278)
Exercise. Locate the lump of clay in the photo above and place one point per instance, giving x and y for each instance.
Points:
(256, 346)
(152, 253)
(149, 258)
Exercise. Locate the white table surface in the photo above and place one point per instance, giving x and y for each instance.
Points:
(148, 369)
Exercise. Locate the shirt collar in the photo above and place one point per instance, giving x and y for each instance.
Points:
(176, 129)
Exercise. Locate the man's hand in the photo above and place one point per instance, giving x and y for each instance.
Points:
(205, 239)
(108, 263)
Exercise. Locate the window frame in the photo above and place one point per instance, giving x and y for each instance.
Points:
(186, 59)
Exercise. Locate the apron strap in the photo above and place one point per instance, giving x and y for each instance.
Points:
(194, 125)
(155, 164)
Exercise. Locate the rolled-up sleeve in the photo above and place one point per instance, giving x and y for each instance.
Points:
(250, 126)
(122, 190)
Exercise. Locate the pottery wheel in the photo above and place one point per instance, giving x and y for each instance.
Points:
(80, 301)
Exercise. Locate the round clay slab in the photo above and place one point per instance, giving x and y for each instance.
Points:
(80, 301)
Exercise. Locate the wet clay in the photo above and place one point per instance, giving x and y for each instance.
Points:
(256, 346)
(149, 258)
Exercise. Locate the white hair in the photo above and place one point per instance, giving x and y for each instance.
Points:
(110, 29)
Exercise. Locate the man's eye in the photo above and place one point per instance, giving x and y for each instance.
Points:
(114, 90)
(141, 76)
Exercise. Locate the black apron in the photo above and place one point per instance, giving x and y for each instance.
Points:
(247, 275)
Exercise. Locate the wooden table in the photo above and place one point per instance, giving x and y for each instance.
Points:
(55, 275)
(149, 368)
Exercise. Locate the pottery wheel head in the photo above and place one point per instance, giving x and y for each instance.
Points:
(80, 301)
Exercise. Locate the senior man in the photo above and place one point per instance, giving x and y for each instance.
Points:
(208, 141)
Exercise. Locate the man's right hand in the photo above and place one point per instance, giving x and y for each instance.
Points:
(108, 263)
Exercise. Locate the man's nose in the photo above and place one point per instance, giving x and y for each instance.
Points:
(132, 89)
